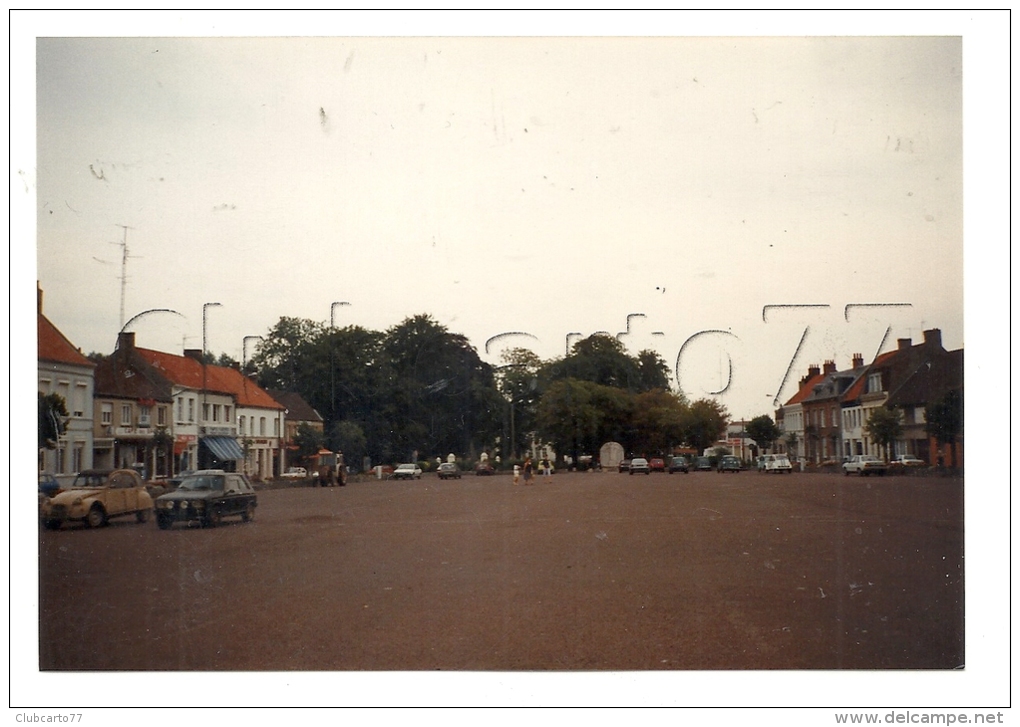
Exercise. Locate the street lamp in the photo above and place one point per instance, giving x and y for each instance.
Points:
(205, 403)
(244, 350)
(332, 374)
(332, 310)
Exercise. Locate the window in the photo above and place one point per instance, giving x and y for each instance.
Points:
(161, 416)
(191, 410)
(240, 421)
(226, 414)
(215, 412)
(78, 457)
(875, 382)
(205, 412)
(276, 427)
(262, 426)
(144, 416)
(835, 421)
(180, 408)
(79, 401)
(125, 415)
(106, 416)
(44, 386)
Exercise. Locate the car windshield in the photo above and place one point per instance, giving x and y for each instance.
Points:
(203, 482)
(90, 479)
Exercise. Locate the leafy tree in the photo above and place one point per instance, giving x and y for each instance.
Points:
(944, 421)
(658, 421)
(518, 382)
(443, 394)
(568, 416)
(282, 355)
(602, 360)
(308, 440)
(884, 427)
(653, 372)
(52, 419)
(763, 431)
(705, 423)
(349, 438)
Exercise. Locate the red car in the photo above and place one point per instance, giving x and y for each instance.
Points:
(657, 464)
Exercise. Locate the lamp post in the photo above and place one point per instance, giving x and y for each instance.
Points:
(205, 403)
(332, 375)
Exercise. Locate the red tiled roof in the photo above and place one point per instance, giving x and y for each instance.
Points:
(186, 371)
(806, 389)
(53, 346)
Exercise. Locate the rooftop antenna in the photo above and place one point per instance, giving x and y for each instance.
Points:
(123, 270)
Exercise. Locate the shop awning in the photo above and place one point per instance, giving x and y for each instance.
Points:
(223, 448)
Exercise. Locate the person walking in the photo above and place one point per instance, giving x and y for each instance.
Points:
(517, 474)
(529, 471)
(546, 468)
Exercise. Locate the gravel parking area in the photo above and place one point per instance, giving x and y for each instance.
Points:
(585, 571)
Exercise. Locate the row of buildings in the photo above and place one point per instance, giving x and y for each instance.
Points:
(166, 413)
(825, 420)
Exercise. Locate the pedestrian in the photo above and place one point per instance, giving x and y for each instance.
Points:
(517, 474)
(529, 471)
(546, 468)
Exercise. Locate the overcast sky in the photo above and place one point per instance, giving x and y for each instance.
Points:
(544, 186)
(649, 187)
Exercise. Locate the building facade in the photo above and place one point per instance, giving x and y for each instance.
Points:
(66, 372)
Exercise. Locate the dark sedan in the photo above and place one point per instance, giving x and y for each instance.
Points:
(703, 464)
(448, 471)
(679, 464)
(207, 496)
(729, 463)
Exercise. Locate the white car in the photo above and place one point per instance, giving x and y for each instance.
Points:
(778, 463)
(295, 473)
(864, 465)
(406, 472)
(906, 460)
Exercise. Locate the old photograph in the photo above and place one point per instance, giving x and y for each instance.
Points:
(633, 358)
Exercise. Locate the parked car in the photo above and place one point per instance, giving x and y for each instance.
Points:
(409, 471)
(207, 496)
(48, 485)
(777, 463)
(761, 462)
(448, 471)
(657, 464)
(485, 469)
(95, 497)
(729, 463)
(864, 465)
(640, 465)
(679, 464)
(295, 473)
(703, 464)
(906, 460)
(624, 465)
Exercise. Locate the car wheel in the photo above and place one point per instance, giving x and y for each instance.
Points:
(213, 518)
(164, 522)
(846, 473)
(51, 524)
(143, 515)
(249, 513)
(96, 517)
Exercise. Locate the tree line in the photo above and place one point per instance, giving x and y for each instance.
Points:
(419, 390)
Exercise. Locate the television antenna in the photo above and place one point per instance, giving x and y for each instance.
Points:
(123, 270)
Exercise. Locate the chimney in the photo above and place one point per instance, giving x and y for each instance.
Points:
(830, 367)
(858, 360)
(126, 341)
(933, 337)
(195, 353)
(813, 371)
(902, 344)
